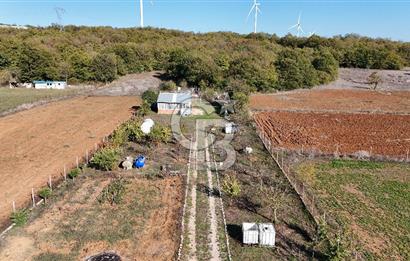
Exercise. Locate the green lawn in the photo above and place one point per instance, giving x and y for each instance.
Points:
(371, 199)
(12, 98)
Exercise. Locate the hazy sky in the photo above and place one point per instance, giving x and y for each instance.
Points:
(375, 18)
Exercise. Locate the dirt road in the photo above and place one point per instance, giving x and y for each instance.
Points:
(35, 144)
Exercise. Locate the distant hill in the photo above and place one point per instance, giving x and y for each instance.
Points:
(221, 60)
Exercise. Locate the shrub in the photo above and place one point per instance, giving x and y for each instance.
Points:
(150, 96)
(168, 86)
(144, 109)
(134, 131)
(74, 173)
(19, 217)
(114, 192)
(105, 159)
(45, 193)
(231, 186)
(160, 133)
(241, 101)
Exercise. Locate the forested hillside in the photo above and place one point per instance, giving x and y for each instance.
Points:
(220, 60)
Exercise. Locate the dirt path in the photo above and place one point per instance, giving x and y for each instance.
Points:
(36, 143)
(192, 213)
(215, 255)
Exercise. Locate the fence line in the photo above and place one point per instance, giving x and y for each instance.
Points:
(79, 160)
(307, 197)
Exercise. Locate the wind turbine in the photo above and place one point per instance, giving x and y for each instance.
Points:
(59, 12)
(312, 33)
(298, 26)
(255, 7)
(142, 12)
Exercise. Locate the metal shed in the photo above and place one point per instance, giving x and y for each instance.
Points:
(267, 234)
(250, 232)
(174, 102)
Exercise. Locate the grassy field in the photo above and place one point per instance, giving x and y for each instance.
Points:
(371, 200)
(12, 98)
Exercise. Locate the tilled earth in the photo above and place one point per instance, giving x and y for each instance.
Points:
(349, 101)
(385, 135)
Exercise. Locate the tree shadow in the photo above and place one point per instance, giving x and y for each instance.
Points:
(305, 234)
(235, 232)
(208, 191)
(294, 247)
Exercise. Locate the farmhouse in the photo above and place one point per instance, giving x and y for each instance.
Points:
(175, 102)
(50, 84)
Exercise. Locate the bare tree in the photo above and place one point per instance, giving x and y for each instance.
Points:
(374, 79)
(274, 197)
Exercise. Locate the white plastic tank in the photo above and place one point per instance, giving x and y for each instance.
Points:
(266, 234)
(250, 233)
(147, 125)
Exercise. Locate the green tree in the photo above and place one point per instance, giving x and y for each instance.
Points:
(150, 96)
(326, 65)
(295, 70)
(35, 64)
(105, 159)
(104, 67)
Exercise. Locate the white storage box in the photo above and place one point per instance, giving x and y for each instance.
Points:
(250, 233)
(266, 234)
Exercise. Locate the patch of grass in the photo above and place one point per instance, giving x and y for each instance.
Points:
(12, 98)
(373, 199)
(114, 192)
(355, 164)
(52, 257)
(20, 217)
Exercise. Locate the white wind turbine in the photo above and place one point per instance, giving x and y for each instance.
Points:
(142, 13)
(59, 12)
(255, 7)
(312, 33)
(298, 26)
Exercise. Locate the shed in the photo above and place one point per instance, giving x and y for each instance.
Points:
(267, 234)
(250, 232)
(175, 102)
(50, 85)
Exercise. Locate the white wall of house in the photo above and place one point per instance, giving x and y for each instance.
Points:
(50, 85)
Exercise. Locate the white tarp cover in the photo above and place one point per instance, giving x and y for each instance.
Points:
(147, 125)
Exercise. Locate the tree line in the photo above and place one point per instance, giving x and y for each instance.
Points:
(223, 60)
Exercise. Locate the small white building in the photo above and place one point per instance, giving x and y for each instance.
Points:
(58, 85)
(266, 234)
(250, 232)
(174, 102)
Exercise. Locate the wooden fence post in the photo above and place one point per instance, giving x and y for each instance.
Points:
(76, 159)
(14, 206)
(65, 173)
(49, 182)
(33, 198)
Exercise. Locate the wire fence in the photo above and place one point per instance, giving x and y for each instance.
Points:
(305, 194)
(54, 181)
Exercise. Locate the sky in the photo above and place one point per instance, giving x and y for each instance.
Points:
(374, 18)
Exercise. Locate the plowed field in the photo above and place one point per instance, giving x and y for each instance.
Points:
(397, 102)
(387, 135)
(35, 144)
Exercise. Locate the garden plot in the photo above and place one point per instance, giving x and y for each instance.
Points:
(346, 101)
(324, 133)
(78, 225)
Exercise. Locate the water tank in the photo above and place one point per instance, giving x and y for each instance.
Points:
(250, 233)
(147, 125)
(139, 162)
(266, 234)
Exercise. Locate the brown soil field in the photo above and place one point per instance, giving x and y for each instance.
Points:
(378, 134)
(36, 143)
(144, 226)
(352, 101)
